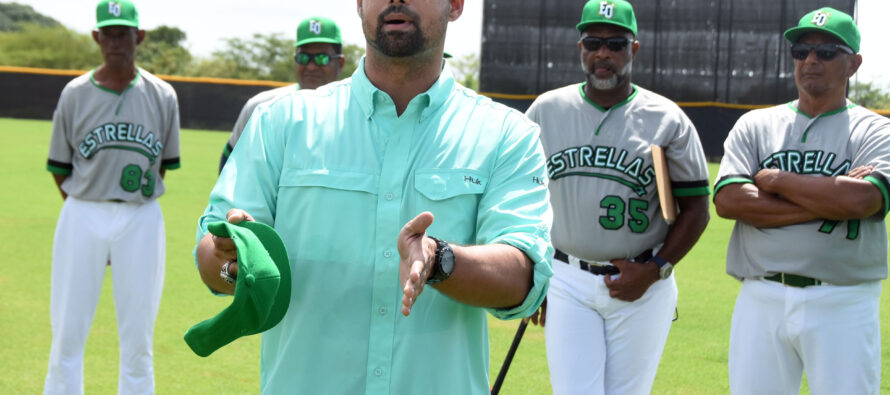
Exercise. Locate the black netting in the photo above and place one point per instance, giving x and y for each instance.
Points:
(690, 50)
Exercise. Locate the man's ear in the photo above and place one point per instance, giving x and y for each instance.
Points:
(140, 36)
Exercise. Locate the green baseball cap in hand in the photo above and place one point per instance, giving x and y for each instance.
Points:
(116, 13)
(827, 20)
(262, 288)
(318, 30)
(614, 12)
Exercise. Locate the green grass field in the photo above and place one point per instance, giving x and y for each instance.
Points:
(694, 360)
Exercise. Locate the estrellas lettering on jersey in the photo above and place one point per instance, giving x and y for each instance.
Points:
(807, 162)
(814, 162)
(110, 135)
(562, 164)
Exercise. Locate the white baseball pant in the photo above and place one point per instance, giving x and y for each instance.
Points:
(88, 234)
(830, 331)
(600, 345)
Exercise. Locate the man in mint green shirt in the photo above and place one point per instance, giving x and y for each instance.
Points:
(381, 184)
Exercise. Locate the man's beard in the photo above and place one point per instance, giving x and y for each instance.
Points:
(399, 44)
(604, 84)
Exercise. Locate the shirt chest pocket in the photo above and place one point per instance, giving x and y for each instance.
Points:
(453, 196)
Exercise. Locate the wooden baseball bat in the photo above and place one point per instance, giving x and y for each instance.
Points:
(663, 183)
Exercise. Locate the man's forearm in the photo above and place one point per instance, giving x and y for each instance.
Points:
(496, 275)
(835, 198)
(751, 205)
(684, 233)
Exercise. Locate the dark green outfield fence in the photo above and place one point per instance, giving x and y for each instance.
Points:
(204, 103)
(214, 104)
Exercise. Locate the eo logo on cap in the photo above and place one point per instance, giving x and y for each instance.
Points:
(114, 8)
(315, 27)
(820, 18)
(607, 9)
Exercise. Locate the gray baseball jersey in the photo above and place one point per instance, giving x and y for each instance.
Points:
(832, 144)
(114, 144)
(602, 183)
(244, 116)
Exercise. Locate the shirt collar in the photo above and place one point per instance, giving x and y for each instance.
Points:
(370, 97)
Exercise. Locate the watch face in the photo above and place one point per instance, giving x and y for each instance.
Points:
(666, 271)
(448, 260)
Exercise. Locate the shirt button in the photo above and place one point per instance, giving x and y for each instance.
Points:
(388, 196)
(382, 310)
(378, 371)
(387, 254)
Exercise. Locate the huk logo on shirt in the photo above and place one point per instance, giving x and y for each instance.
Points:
(820, 18)
(634, 173)
(315, 27)
(607, 9)
(125, 136)
(114, 8)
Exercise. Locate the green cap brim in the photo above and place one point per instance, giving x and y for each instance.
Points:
(316, 40)
(585, 25)
(795, 33)
(262, 288)
(117, 22)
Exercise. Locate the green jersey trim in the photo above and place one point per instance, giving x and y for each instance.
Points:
(690, 188)
(227, 150)
(732, 179)
(171, 164)
(883, 186)
(96, 84)
(699, 191)
(803, 138)
(597, 106)
(62, 169)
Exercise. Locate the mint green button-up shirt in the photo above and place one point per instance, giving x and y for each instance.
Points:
(337, 173)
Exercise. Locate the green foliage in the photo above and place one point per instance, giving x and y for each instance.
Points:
(466, 70)
(49, 47)
(869, 95)
(262, 57)
(353, 54)
(162, 51)
(14, 16)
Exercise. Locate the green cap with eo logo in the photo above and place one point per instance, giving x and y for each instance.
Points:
(318, 30)
(827, 20)
(116, 13)
(614, 12)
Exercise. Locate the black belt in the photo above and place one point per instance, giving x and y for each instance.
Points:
(793, 280)
(598, 269)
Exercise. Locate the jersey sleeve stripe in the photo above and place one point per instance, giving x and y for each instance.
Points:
(59, 168)
(881, 182)
(732, 179)
(690, 188)
(227, 150)
(171, 163)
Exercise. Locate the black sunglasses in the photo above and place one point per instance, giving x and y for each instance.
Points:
(801, 51)
(614, 44)
(321, 59)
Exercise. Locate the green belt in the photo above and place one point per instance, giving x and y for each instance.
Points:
(793, 280)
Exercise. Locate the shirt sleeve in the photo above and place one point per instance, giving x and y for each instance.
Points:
(60, 158)
(250, 179)
(739, 161)
(170, 158)
(686, 161)
(515, 210)
(875, 151)
(240, 124)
